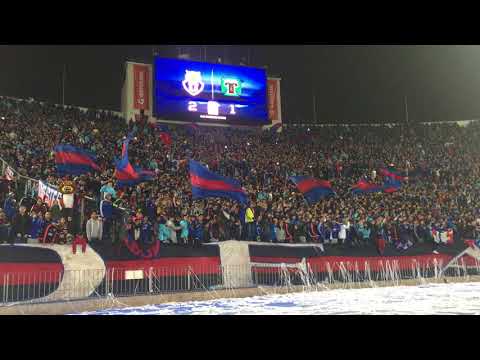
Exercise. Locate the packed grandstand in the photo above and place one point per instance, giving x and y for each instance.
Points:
(435, 204)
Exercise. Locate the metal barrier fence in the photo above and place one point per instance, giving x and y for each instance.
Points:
(48, 286)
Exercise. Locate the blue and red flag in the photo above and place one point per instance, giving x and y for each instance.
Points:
(392, 173)
(165, 135)
(71, 160)
(127, 174)
(206, 183)
(364, 187)
(313, 190)
(391, 185)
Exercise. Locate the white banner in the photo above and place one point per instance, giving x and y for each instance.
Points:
(48, 194)
(9, 174)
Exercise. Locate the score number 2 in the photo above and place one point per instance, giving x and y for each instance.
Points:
(192, 107)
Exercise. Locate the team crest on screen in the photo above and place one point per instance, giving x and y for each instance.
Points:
(231, 87)
(193, 83)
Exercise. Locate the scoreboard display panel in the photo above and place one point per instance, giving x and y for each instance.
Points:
(204, 92)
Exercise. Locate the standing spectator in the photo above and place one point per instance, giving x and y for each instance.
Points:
(173, 230)
(146, 234)
(250, 222)
(49, 232)
(184, 230)
(39, 207)
(94, 228)
(37, 226)
(163, 230)
(10, 206)
(106, 212)
(342, 234)
(56, 211)
(280, 231)
(4, 228)
(197, 231)
(108, 189)
(20, 226)
(62, 231)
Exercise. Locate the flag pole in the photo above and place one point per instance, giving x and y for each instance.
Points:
(406, 110)
(64, 70)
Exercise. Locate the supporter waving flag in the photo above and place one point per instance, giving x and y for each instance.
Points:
(312, 189)
(71, 160)
(364, 187)
(206, 183)
(127, 174)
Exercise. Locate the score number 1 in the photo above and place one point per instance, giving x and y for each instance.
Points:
(192, 107)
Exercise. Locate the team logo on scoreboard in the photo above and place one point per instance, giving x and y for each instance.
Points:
(231, 87)
(193, 83)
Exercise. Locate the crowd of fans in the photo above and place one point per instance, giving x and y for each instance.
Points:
(443, 200)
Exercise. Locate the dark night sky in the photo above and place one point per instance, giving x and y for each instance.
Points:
(351, 83)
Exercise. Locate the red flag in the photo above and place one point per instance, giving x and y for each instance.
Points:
(166, 138)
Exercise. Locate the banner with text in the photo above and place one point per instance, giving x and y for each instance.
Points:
(141, 95)
(274, 102)
(47, 193)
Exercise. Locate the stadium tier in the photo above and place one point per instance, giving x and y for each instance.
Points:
(134, 196)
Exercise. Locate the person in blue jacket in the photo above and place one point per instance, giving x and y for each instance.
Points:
(36, 226)
(146, 233)
(150, 209)
(197, 231)
(273, 230)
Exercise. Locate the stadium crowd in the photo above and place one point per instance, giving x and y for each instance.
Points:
(438, 199)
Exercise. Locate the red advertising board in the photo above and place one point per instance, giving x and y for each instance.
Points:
(272, 96)
(141, 78)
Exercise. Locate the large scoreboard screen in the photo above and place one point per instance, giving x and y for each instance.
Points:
(203, 92)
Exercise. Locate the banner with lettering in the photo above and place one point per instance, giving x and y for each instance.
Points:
(48, 194)
(141, 96)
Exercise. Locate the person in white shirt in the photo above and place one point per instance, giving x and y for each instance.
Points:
(94, 228)
(342, 234)
(173, 230)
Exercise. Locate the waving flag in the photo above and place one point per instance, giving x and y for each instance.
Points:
(392, 173)
(391, 185)
(71, 160)
(127, 174)
(364, 187)
(206, 183)
(312, 189)
(165, 135)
